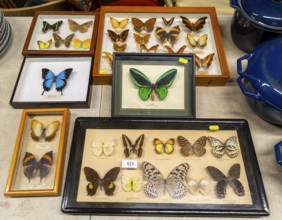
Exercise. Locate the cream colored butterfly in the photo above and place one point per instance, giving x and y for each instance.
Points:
(195, 187)
(99, 147)
(129, 184)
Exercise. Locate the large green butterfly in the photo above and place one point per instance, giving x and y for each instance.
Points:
(147, 89)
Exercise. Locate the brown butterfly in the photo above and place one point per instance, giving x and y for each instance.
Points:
(152, 49)
(168, 22)
(171, 51)
(142, 39)
(171, 36)
(201, 42)
(109, 57)
(197, 148)
(59, 41)
(197, 26)
(74, 26)
(120, 47)
(118, 36)
(204, 62)
(119, 24)
(140, 25)
(96, 181)
(135, 148)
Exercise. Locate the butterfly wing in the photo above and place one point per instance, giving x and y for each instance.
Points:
(164, 82)
(61, 79)
(44, 45)
(83, 28)
(218, 176)
(137, 24)
(36, 129)
(231, 147)
(205, 62)
(73, 25)
(169, 145)
(44, 164)
(109, 57)
(46, 26)
(137, 146)
(191, 40)
(49, 78)
(152, 49)
(155, 185)
(58, 40)
(113, 35)
(127, 144)
(161, 34)
(142, 82)
(30, 164)
(55, 27)
(51, 129)
(199, 146)
(77, 43)
(218, 147)
(173, 34)
(68, 40)
(171, 51)
(123, 35)
(188, 24)
(174, 182)
(149, 24)
(199, 24)
(93, 178)
(159, 146)
(234, 183)
(186, 146)
(97, 148)
(126, 183)
(108, 147)
(202, 41)
(108, 180)
(168, 22)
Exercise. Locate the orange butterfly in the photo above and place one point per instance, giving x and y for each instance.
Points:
(140, 25)
(204, 62)
(74, 26)
(201, 42)
(118, 37)
(120, 47)
(171, 51)
(152, 49)
(171, 36)
(142, 39)
(197, 26)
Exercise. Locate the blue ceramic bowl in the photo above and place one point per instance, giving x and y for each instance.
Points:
(261, 81)
(277, 148)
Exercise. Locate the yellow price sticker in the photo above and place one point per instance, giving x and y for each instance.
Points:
(183, 60)
(214, 127)
(103, 71)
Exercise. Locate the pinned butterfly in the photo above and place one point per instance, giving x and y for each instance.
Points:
(33, 168)
(100, 147)
(161, 147)
(82, 28)
(157, 184)
(223, 181)
(131, 184)
(39, 131)
(55, 27)
(135, 148)
(148, 89)
(60, 80)
(199, 187)
(229, 147)
(44, 45)
(170, 36)
(204, 62)
(95, 181)
(145, 49)
(59, 41)
(187, 149)
(139, 25)
(81, 44)
(119, 24)
(194, 26)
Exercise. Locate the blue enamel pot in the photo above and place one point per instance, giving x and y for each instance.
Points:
(261, 80)
(277, 149)
(255, 21)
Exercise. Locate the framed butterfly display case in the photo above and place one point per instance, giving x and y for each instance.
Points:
(163, 167)
(62, 33)
(38, 160)
(170, 30)
(153, 85)
(53, 81)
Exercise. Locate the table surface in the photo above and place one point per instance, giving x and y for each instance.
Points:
(211, 102)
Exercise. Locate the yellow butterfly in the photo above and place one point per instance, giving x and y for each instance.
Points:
(201, 42)
(59, 41)
(204, 62)
(48, 132)
(110, 57)
(85, 44)
(119, 24)
(129, 184)
(142, 39)
(164, 147)
(152, 49)
(99, 147)
(74, 26)
(44, 45)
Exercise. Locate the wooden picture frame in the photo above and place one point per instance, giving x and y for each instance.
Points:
(70, 88)
(217, 74)
(31, 46)
(83, 193)
(178, 97)
(32, 154)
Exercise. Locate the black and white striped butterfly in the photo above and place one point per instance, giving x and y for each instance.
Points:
(157, 184)
(223, 181)
(229, 147)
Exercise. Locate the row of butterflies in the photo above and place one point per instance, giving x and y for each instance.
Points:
(187, 149)
(74, 26)
(177, 182)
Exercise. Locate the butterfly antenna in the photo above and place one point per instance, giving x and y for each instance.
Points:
(43, 92)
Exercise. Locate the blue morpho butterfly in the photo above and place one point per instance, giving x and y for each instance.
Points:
(147, 89)
(50, 78)
(32, 168)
